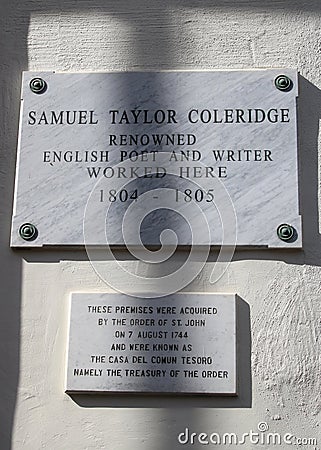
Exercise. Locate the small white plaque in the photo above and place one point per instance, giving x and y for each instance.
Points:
(183, 343)
(119, 158)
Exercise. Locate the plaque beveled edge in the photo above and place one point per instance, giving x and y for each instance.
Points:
(294, 72)
(154, 393)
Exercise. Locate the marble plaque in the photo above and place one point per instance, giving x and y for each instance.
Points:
(185, 343)
(131, 158)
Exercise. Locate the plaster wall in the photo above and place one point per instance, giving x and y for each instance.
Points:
(279, 356)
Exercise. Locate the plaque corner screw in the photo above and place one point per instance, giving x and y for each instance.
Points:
(28, 232)
(283, 83)
(38, 85)
(286, 232)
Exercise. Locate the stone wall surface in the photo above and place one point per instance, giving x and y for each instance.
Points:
(279, 354)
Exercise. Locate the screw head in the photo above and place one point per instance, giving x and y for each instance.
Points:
(38, 85)
(286, 232)
(28, 232)
(283, 83)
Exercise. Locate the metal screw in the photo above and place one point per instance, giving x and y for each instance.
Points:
(283, 83)
(28, 232)
(286, 232)
(38, 85)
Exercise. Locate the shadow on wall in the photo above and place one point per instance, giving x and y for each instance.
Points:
(14, 25)
(309, 115)
(153, 28)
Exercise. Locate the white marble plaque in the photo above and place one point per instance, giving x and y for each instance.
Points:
(183, 343)
(119, 158)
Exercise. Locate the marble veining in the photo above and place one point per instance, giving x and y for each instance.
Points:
(66, 203)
